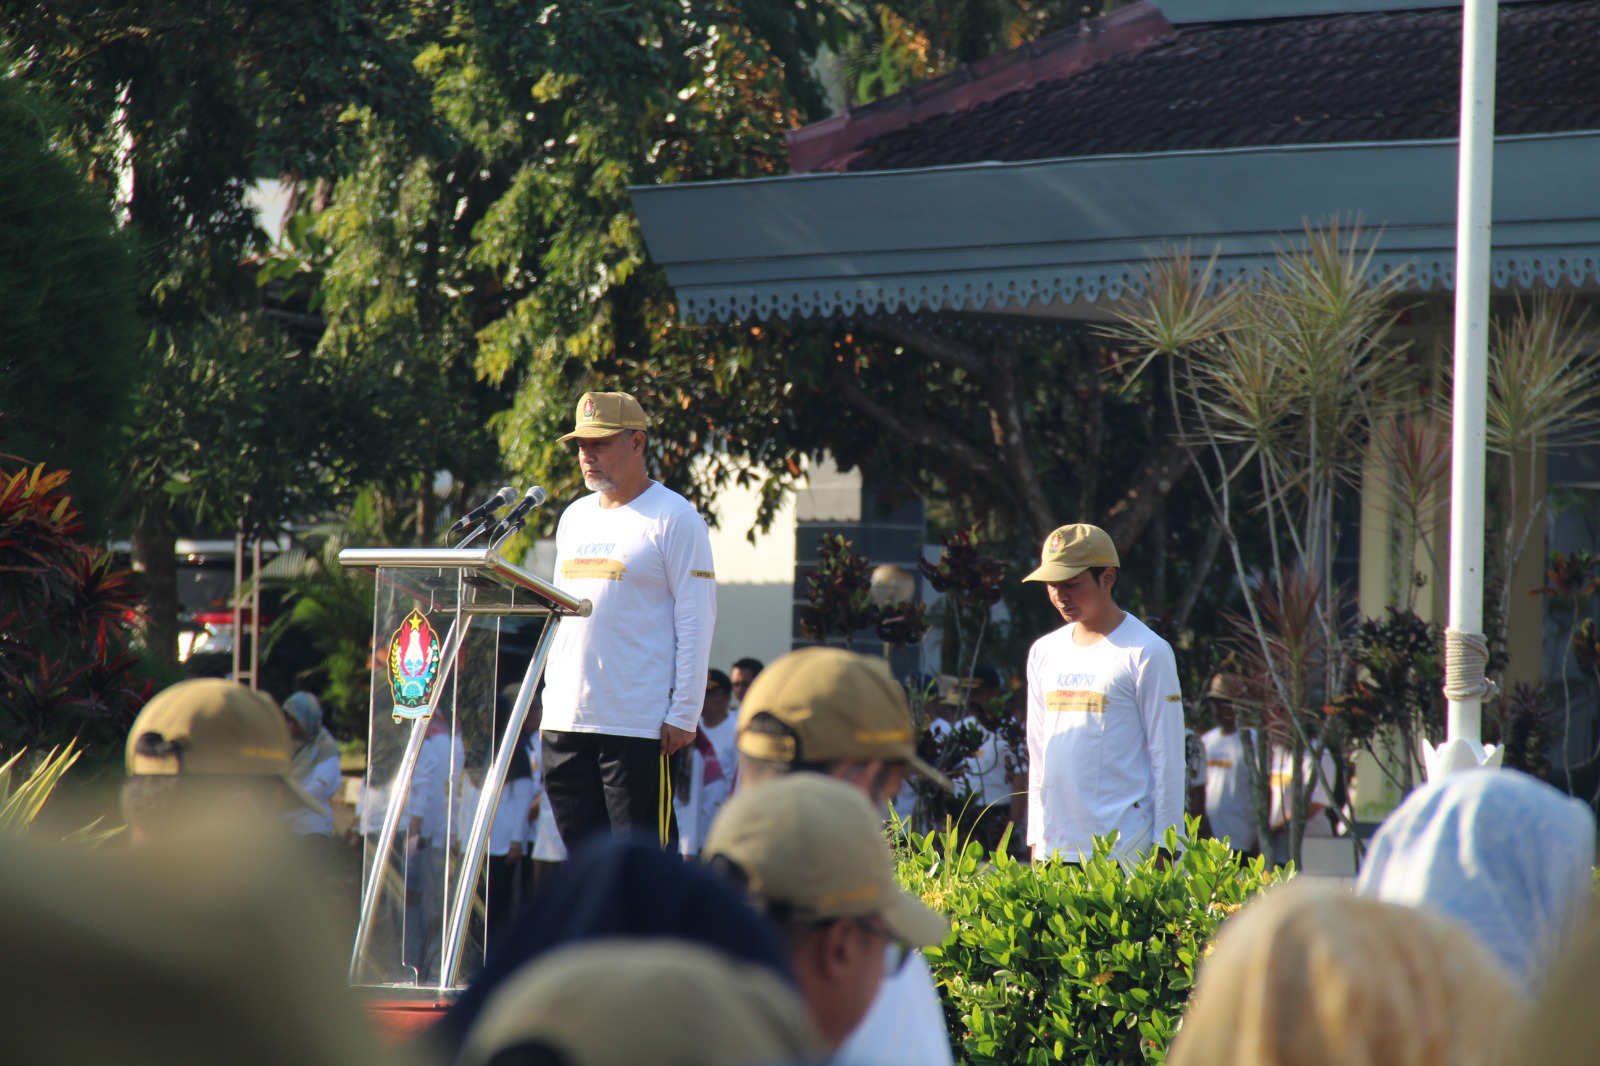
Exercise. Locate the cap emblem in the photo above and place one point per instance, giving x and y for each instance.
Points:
(1057, 541)
(588, 407)
(413, 666)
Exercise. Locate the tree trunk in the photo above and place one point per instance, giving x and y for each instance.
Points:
(154, 556)
(1164, 465)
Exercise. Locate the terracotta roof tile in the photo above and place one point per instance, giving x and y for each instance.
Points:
(1369, 77)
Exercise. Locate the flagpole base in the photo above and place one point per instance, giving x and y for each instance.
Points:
(1458, 754)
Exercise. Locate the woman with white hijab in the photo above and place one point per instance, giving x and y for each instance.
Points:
(316, 763)
(1502, 853)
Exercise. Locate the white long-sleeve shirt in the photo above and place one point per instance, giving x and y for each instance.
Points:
(640, 658)
(1105, 741)
(321, 783)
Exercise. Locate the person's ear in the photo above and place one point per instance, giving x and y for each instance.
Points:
(839, 945)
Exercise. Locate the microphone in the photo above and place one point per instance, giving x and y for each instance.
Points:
(530, 499)
(500, 499)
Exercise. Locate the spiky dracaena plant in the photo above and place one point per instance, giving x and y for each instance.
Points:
(1277, 382)
(1543, 384)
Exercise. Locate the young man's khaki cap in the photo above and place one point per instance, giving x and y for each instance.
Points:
(208, 726)
(600, 414)
(841, 706)
(812, 849)
(628, 1002)
(1070, 550)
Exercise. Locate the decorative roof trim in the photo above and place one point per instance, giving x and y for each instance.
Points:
(1016, 235)
(1017, 291)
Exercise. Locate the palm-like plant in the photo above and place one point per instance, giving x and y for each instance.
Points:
(1280, 379)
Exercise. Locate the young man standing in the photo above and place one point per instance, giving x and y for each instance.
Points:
(1105, 715)
(624, 686)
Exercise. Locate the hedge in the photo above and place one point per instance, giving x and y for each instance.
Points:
(1058, 962)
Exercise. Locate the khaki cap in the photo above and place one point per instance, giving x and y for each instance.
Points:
(1225, 686)
(212, 948)
(1070, 550)
(841, 706)
(600, 414)
(659, 1001)
(216, 727)
(813, 848)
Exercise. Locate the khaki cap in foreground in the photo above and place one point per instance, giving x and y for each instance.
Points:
(1070, 550)
(841, 705)
(600, 414)
(662, 1002)
(211, 949)
(814, 848)
(216, 727)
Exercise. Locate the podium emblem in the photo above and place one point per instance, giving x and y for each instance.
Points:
(413, 666)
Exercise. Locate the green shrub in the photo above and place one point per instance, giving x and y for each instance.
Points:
(1059, 962)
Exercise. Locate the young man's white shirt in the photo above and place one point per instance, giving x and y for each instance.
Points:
(1229, 806)
(641, 657)
(1105, 741)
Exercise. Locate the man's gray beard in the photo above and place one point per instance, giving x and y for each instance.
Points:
(599, 484)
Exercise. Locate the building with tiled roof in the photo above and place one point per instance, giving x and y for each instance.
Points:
(1142, 84)
(1037, 185)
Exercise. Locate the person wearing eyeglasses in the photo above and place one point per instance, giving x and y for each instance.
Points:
(810, 852)
(828, 713)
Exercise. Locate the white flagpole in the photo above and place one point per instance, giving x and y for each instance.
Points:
(1465, 687)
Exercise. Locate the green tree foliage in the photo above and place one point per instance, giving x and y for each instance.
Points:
(899, 42)
(69, 338)
(1071, 962)
(175, 110)
(504, 242)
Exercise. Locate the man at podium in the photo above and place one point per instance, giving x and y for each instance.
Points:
(624, 686)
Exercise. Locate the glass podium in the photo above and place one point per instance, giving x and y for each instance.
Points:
(431, 749)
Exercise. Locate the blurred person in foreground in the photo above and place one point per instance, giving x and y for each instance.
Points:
(202, 945)
(830, 712)
(616, 887)
(632, 1002)
(1504, 854)
(811, 853)
(1312, 976)
(1562, 1025)
(206, 749)
(1105, 713)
